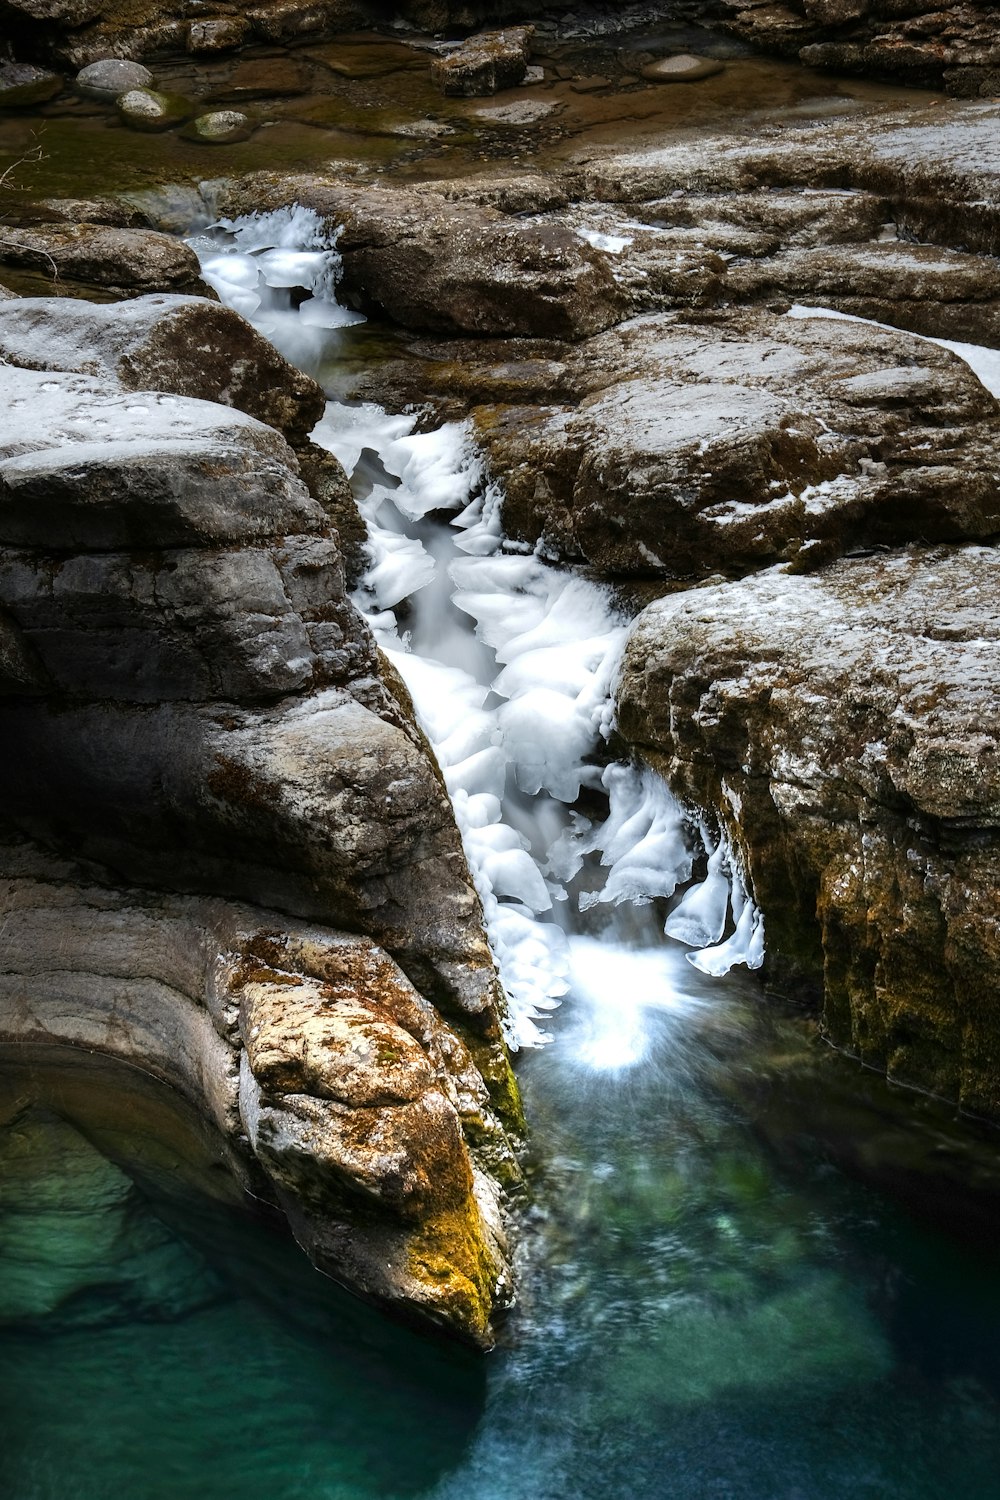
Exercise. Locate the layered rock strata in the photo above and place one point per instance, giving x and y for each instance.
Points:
(191, 704)
(954, 46)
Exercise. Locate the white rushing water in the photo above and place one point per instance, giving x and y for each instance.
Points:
(511, 664)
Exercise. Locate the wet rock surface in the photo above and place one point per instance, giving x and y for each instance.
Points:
(332, 1088)
(842, 727)
(191, 703)
(721, 444)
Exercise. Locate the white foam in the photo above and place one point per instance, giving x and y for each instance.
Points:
(510, 663)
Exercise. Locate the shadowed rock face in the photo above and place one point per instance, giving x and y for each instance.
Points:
(842, 726)
(954, 46)
(189, 700)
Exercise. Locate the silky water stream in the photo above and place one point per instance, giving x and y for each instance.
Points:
(700, 1316)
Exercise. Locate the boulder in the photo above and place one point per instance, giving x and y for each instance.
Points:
(145, 344)
(842, 728)
(190, 702)
(118, 262)
(725, 443)
(330, 1087)
(682, 68)
(222, 34)
(484, 64)
(146, 109)
(220, 128)
(446, 267)
(22, 85)
(112, 77)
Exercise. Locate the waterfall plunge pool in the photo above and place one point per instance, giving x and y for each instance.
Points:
(717, 1299)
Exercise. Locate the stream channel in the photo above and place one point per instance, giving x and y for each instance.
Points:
(718, 1300)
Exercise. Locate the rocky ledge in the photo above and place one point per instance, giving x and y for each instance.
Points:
(229, 856)
(843, 727)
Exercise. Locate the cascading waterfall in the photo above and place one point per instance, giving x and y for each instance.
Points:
(511, 664)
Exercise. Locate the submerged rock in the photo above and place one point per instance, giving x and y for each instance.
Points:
(682, 68)
(842, 727)
(220, 128)
(146, 109)
(22, 85)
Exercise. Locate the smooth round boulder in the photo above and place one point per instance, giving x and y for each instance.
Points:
(112, 77)
(683, 67)
(220, 128)
(22, 85)
(145, 109)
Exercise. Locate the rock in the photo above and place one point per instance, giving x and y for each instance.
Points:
(937, 170)
(725, 443)
(331, 1088)
(522, 112)
(111, 78)
(111, 1257)
(681, 68)
(942, 293)
(285, 20)
(110, 211)
(188, 698)
(145, 109)
(22, 85)
(841, 726)
(265, 78)
(484, 64)
(445, 267)
(221, 128)
(68, 13)
(121, 262)
(146, 344)
(220, 35)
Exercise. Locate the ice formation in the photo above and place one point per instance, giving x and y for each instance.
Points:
(511, 665)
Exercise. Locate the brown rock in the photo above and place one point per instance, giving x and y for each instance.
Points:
(146, 345)
(121, 262)
(445, 267)
(842, 727)
(726, 443)
(219, 35)
(484, 64)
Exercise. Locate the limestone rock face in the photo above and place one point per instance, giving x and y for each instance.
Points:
(445, 267)
(189, 701)
(843, 727)
(722, 444)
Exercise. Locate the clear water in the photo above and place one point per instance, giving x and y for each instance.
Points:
(697, 1322)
